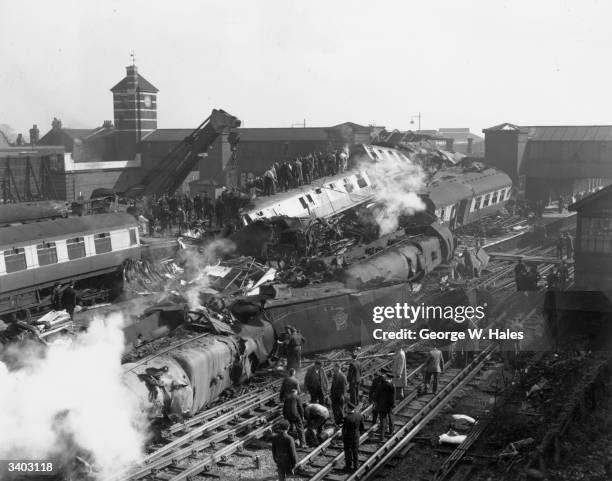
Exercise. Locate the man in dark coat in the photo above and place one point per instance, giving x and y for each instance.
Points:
(316, 383)
(379, 378)
(339, 388)
(520, 271)
(354, 379)
(294, 414)
(351, 431)
(434, 365)
(56, 297)
(283, 451)
(289, 384)
(384, 400)
(294, 348)
(69, 299)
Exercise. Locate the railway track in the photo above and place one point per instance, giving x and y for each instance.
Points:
(204, 442)
(209, 438)
(410, 416)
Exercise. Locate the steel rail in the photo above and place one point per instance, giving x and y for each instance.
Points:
(402, 437)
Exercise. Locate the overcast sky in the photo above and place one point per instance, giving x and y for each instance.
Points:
(276, 62)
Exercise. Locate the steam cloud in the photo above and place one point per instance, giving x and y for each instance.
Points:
(69, 400)
(396, 190)
(196, 265)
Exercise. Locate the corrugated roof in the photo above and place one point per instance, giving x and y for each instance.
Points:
(453, 185)
(143, 84)
(578, 133)
(15, 236)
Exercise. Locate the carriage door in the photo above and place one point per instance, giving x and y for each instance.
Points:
(461, 212)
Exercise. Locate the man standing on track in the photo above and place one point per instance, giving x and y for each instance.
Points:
(351, 431)
(339, 388)
(400, 380)
(434, 365)
(316, 383)
(294, 414)
(289, 384)
(354, 379)
(283, 451)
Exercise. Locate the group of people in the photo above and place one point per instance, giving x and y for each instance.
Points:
(557, 278)
(289, 174)
(526, 279)
(177, 212)
(307, 420)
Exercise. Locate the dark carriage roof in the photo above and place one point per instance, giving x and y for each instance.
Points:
(452, 185)
(24, 234)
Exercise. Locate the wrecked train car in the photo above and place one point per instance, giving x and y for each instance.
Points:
(185, 378)
(35, 256)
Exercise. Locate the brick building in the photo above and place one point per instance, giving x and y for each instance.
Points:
(117, 156)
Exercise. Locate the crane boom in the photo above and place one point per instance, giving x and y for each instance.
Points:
(170, 172)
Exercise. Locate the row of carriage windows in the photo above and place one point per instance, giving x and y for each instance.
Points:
(491, 198)
(348, 186)
(15, 259)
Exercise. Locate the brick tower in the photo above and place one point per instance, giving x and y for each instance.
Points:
(135, 110)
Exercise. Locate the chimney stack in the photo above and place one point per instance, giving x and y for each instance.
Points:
(56, 123)
(19, 140)
(107, 125)
(470, 145)
(34, 135)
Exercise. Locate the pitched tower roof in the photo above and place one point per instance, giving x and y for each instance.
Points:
(128, 82)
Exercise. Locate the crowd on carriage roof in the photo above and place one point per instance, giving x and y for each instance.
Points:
(167, 213)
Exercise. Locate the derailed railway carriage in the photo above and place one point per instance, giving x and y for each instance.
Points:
(35, 256)
(459, 196)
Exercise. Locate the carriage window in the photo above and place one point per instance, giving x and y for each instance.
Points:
(15, 260)
(361, 182)
(309, 197)
(476, 203)
(507, 193)
(303, 202)
(134, 238)
(102, 242)
(442, 213)
(318, 191)
(494, 198)
(348, 185)
(434, 255)
(332, 186)
(486, 200)
(76, 248)
(47, 253)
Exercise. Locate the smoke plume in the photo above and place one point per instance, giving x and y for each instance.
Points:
(396, 190)
(68, 400)
(197, 266)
